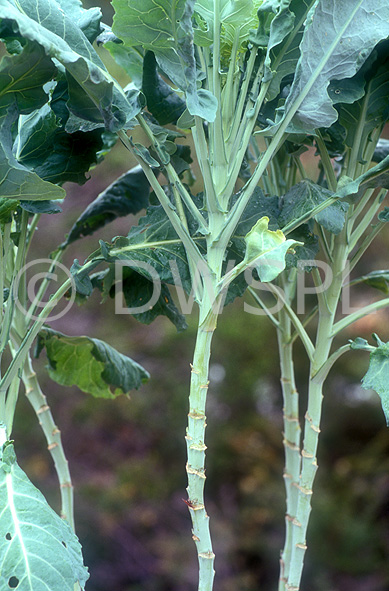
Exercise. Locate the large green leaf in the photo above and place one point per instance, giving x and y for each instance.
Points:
(339, 35)
(372, 109)
(137, 290)
(128, 194)
(87, 20)
(237, 19)
(304, 197)
(377, 376)
(94, 94)
(153, 243)
(43, 146)
(165, 28)
(162, 101)
(39, 551)
(305, 251)
(129, 59)
(282, 40)
(22, 77)
(92, 365)
(261, 205)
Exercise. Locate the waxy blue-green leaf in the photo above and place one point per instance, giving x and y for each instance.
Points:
(38, 551)
(377, 279)
(303, 198)
(153, 242)
(94, 94)
(360, 344)
(22, 77)
(90, 364)
(87, 20)
(128, 194)
(7, 208)
(381, 151)
(383, 215)
(162, 101)
(41, 206)
(129, 59)
(305, 251)
(237, 18)
(284, 37)
(82, 282)
(44, 147)
(376, 176)
(339, 36)
(377, 376)
(372, 111)
(165, 28)
(137, 290)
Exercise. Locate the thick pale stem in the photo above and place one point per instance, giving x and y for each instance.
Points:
(53, 436)
(328, 302)
(292, 433)
(196, 447)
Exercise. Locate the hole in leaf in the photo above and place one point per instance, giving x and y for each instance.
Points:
(13, 582)
(64, 544)
(8, 536)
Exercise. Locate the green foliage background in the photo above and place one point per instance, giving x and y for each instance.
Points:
(127, 456)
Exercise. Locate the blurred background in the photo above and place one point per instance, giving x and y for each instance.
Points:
(127, 457)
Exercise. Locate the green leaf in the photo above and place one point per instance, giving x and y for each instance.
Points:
(377, 176)
(7, 208)
(334, 138)
(153, 242)
(237, 19)
(372, 109)
(304, 197)
(285, 33)
(306, 250)
(377, 279)
(260, 205)
(377, 376)
(165, 28)
(351, 29)
(162, 101)
(22, 77)
(267, 250)
(41, 206)
(383, 215)
(94, 94)
(381, 150)
(129, 59)
(128, 194)
(90, 364)
(39, 551)
(360, 344)
(43, 146)
(82, 281)
(137, 290)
